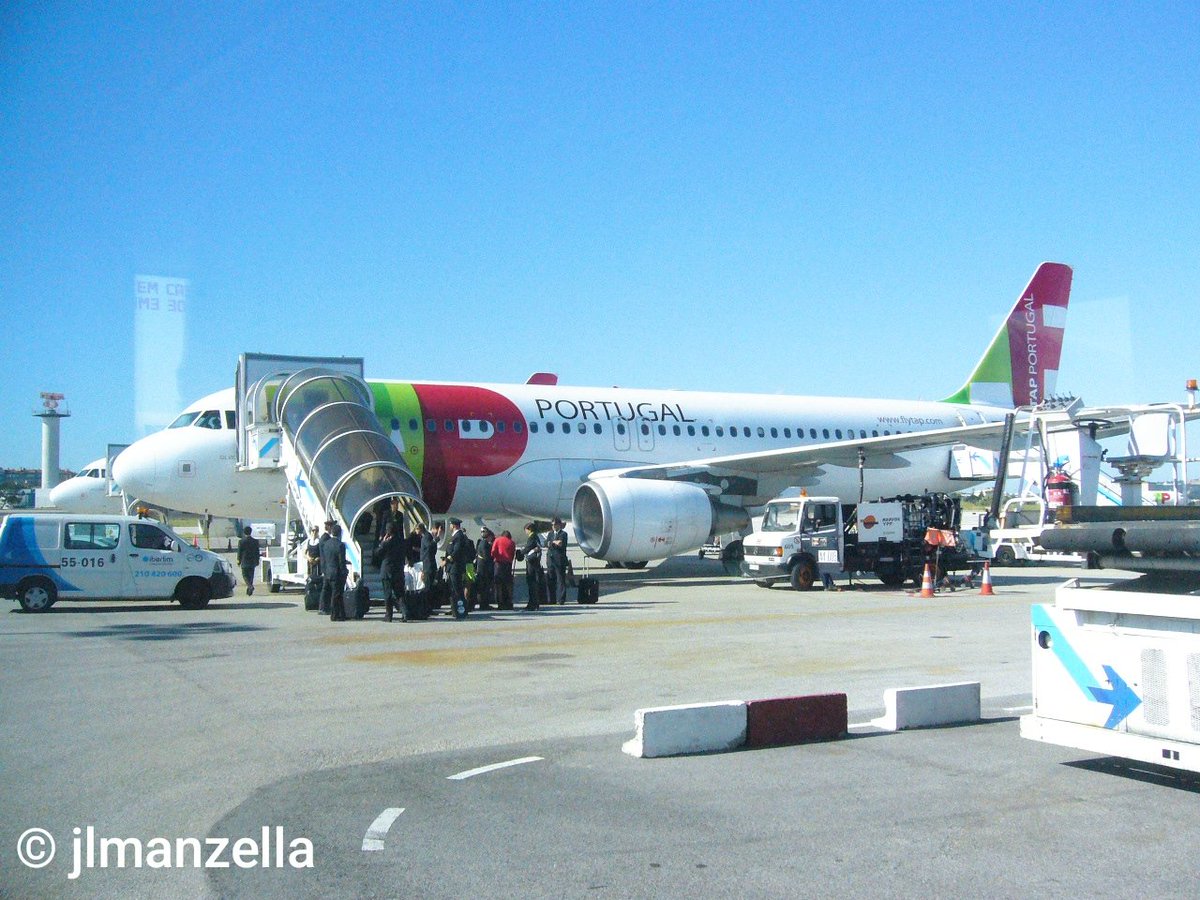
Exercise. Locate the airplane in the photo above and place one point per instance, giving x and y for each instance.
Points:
(640, 474)
(87, 492)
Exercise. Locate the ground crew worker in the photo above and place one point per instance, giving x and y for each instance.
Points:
(248, 554)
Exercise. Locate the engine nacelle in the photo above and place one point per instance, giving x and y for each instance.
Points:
(623, 519)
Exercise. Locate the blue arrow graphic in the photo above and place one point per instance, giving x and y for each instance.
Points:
(1120, 695)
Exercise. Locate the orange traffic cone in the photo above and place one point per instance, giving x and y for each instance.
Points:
(986, 589)
(926, 583)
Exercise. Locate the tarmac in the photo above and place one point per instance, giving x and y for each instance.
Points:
(483, 758)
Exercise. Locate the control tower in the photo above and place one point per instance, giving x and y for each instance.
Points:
(53, 410)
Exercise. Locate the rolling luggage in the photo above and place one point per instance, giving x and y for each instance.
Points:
(357, 601)
(417, 603)
(312, 594)
(589, 589)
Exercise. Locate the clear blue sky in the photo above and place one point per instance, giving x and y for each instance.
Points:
(775, 197)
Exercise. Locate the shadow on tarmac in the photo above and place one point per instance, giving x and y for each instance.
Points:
(146, 632)
(1147, 773)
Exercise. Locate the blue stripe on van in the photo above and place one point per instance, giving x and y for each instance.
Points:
(21, 557)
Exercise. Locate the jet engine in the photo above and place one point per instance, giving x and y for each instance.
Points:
(636, 518)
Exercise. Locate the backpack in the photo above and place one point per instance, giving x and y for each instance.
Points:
(465, 554)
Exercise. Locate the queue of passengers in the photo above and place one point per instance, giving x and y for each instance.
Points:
(414, 579)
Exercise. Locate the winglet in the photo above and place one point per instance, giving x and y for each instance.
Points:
(542, 378)
(1020, 366)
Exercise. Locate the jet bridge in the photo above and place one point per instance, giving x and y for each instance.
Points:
(313, 418)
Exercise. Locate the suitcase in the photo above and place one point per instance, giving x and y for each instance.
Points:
(589, 589)
(417, 603)
(312, 594)
(357, 601)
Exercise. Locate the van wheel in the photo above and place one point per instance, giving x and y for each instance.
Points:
(37, 594)
(803, 576)
(193, 593)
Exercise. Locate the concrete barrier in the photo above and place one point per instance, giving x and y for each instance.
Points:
(693, 728)
(938, 704)
(796, 720)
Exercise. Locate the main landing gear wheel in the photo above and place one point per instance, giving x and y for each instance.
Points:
(637, 564)
(37, 594)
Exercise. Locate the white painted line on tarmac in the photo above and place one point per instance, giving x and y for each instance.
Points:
(373, 840)
(470, 773)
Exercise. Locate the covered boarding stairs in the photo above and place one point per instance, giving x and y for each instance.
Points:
(314, 419)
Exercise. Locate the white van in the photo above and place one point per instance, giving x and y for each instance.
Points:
(48, 557)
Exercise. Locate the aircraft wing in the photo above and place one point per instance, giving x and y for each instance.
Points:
(875, 453)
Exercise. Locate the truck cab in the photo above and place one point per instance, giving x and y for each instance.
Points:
(64, 556)
(799, 539)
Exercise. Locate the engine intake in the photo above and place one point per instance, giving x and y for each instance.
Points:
(634, 518)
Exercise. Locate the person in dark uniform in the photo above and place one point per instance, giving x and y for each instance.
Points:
(503, 552)
(333, 571)
(248, 554)
(533, 568)
(429, 549)
(459, 553)
(323, 609)
(556, 562)
(484, 569)
(391, 572)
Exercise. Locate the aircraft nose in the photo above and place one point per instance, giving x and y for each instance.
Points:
(136, 469)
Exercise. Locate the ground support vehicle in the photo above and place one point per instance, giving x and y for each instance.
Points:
(803, 539)
(46, 557)
(1016, 540)
(1114, 670)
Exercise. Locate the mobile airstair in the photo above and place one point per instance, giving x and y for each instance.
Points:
(313, 418)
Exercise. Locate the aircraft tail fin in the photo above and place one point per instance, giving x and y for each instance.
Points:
(1020, 366)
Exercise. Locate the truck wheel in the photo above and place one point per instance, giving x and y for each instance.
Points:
(803, 576)
(1004, 556)
(37, 594)
(193, 593)
(732, 555)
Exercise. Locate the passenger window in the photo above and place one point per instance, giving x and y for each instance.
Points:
(812, 434)
(704, 430)
(746, 431)
(691, 431)
(596, 428)
(448, 425)
(549, 428)
(825, 432)
(517, 428)
(466, 426)
(838, 433)
(620, 428)
(430, 425)
(533, 427)
(500, 427)
(645, 428)
(582, 428)
(787, 432)
(720, 431)
(677, 430)
(662, 429)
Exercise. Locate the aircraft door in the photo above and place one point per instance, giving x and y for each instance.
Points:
(622, 438)
(645, 434)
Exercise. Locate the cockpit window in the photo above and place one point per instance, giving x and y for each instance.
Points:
(231, 419)
(184, 420)
(210, 418)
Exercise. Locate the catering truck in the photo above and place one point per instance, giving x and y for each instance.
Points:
(801, 539)
(46, 557)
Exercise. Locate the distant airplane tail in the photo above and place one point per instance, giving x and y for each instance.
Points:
(1020, 366)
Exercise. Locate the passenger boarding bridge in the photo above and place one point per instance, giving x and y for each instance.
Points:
(313, 417)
